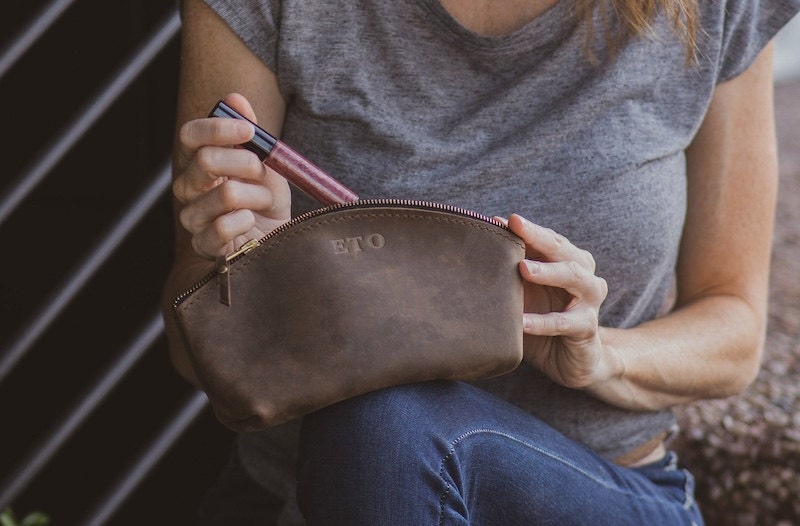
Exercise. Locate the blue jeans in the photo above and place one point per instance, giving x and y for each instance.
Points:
(447, 453)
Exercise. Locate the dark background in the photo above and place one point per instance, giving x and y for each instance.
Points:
(43, 242)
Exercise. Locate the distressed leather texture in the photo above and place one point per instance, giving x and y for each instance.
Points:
(351, 301)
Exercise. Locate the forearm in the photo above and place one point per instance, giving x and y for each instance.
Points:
(710, 348)
(710, 345)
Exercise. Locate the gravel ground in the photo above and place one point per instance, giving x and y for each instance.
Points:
(745, 450)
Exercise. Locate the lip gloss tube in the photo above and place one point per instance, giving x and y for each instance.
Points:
(298, 170)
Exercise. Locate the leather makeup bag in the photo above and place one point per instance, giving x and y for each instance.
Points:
(352, 298)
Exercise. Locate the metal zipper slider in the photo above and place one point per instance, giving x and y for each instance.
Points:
(224, 270)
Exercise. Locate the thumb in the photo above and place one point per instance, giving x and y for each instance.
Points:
(240, 104)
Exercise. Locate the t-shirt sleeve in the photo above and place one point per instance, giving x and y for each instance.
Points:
(256, 22)
(747, 28)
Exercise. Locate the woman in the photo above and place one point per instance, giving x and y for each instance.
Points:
(637, 137)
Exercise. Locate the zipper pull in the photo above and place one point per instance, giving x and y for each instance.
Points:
(224, 270)
(224, 280)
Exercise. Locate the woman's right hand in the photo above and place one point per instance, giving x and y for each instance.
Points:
(228, 195)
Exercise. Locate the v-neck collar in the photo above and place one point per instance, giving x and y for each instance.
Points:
(539, 31)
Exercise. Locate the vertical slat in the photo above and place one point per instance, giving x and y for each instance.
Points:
(87, 117)
(31, 34)
(120, 492)
(55, 304)
(76, 416)
(21, 477)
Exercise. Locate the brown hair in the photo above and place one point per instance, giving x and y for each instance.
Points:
(636, 17)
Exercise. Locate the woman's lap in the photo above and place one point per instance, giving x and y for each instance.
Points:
(449, 453)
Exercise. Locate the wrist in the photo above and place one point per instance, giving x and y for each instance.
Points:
(610, 383)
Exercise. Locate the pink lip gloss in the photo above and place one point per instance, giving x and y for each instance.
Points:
(298, 170)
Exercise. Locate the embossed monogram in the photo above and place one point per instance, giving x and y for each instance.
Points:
(350, 245)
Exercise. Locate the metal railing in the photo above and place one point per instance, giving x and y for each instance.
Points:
(53, 306)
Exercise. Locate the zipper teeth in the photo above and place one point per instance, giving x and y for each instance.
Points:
(362, 203)
(369, 203)
(197, 286)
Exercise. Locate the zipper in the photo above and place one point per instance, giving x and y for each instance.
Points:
(224, 262)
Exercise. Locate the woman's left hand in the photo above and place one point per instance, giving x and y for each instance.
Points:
(562, 302)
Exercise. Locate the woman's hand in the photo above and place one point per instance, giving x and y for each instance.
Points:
(562, 302)
(228, 195)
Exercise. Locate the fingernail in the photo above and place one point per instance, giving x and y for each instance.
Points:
(525, 222)
(532, 266)
(246, 129)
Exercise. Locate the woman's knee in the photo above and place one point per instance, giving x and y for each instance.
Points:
(351, 452)
(383, 420)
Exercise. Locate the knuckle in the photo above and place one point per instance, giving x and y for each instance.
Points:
(576, 271)
(602, 286)
(185, 218)
(227, 226)
(254, 165)
(198, 247)
(185, 133)
(228, 194)
(248, 218)
(179, 190)
(222, 227)
(587, 260)
(268, 202)
(205, 159)
(556, 238)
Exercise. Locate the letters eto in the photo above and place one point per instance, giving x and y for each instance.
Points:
(350, 245)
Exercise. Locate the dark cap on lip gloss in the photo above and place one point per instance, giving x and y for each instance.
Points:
(262, 142)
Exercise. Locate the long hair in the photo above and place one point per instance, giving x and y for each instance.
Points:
(636, 17)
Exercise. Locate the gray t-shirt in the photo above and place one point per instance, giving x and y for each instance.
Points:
(397, 99)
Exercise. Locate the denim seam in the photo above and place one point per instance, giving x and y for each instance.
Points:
(443, 498)
(672, 465)
(687, 491)
(583, 472)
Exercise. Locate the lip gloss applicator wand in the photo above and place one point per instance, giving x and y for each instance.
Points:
(298, 170)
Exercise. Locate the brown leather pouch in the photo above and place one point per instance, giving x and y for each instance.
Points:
(352, 298)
